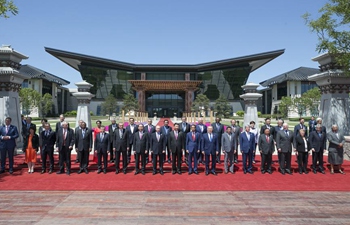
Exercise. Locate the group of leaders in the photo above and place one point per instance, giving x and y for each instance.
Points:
(196, 143)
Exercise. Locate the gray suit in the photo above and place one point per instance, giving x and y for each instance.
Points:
(335, 152)
(236, 130)
(285, 143)
(228, 143)
(266, 149)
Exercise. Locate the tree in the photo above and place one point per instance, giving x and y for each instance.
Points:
(29, 98)
(109, 106)
(130, 103)
(332, 29)
(299, 105)
(285, 105)
(222, 107)
(312, 100)
(7, 7)
(45, 104)
(200, 103)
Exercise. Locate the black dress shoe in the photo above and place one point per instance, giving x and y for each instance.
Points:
(143, 172)
(196, 172)
(111, 161)
(322, 171)
(59, 172)
(173, 172)
(269, 171)
(315, 171)
(306, 172)
(124, 171)
(50, 171)
(154, 173)
(189, 173)
(206, 173)
(86, 171)
(262, 171)
(80, 171)
(289, 172)
(43, 171)
(214, 173)
(98, 171)
(77, 161)
(104, 171)
(244, 172)
(300, 172)
(117, 171)
(283, 172)
(179, 172)
(251, 172)
(161, 173)
(169, 161)
(11, 172)
(136, 172)
(233, 172)
(68, 173)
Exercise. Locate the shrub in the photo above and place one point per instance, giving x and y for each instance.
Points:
(71, 113)
(240, 113)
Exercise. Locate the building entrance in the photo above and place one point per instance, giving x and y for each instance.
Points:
(165, 104)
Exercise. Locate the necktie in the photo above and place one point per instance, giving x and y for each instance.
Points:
(184, 127)
(149, 129)
(248, 136)
(140, 135)
(193, 136)
(47, 133)
(83, 133)
(132, 128)
(176, 135)
(7, 129)
(229, 137)
(319, 134)
(287, 133)
(267, 139)
(113, 127)
(64, 136)
(210, 137)
(120, 134)
(28, 125)
(102, 136)
(158, 137)
(202, 128)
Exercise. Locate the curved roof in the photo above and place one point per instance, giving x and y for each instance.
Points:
(33, 72)
(76, 59)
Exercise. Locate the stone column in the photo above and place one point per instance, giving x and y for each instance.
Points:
(189, 94)
(334, 86)
(10, 84)
(84, 97)
(141, 99)
(250, 100)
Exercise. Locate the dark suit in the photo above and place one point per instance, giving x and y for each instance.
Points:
(210, 146)
(266, 147)
(59, 126)
(271, 128)
(120, 143)
(157, 147)
(193, 145)
(111, 130)
(303, 152)
(83, 141)
(7, 147)
(47, 143)
(131, 131)
(218, 130)
(176, 145)
(166, 131)
(140, 146)
(63, 144)
(102, 146)
(318, 143)
(78, 153)
(201, 129)
(185, 127)
(285, 142)
(312, 125)
(150, 130)
(298, 127)
(247, 147)
(236, 130)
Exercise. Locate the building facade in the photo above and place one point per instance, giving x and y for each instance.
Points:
(292, 83)
(164, 90)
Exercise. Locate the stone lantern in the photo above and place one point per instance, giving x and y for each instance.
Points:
(84, 97)
(250, 98)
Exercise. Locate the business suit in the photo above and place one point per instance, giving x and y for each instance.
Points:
(277, 129)
(271, 128)
(47, 143)
(176, 143)
(298, 127)
(131, 129)
(120, 144)
(157, 147)
(228, 143)
(193, 140)
(185, 128)
(201, 129)
(7, 147)
(83, 142)
(210, 147)
(247, 143)
(335, 152)
(140, 147)
(166, 131)
(302, 146)
(318, 142)
(150, 129)
(312, 125)
(266, 148)
(284, 142)
(111, 130)
(236, 130)
(218, 130)
(102, 146)
(64, 143)
(59, 126)
(78, 153)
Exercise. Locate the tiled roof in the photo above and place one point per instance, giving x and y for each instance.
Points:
(299, 74)
(34, 72)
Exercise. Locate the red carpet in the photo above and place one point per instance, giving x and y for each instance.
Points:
(21, 180)
(161, 122)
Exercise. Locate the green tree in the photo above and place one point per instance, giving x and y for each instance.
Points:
(312, 100)
(299, 105)
(130, 103)
(222, 107)
(7, 7)
(109, 106)
(29, 98)
(200, 103)
(45, 104)
(332, 29)
(285, 106)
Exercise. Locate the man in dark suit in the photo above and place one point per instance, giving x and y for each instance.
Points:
(120, 146)
(131, 129)
(266, 148)
(75, 132)
(64, 144)
(278, 128)
(201, 128)
(319, 121)
(185, 127)
(193, 147)
(23, 120)
(25, 129)
(150, 129)
(312, 124)
(218, 130)
(8, 135)
(83, 145)
(299, 127)
(176, 143)
(47, 140)
(318, 140)
(268, 126)
(102, 147)
(284, 144)
(228, 141)
(141, 146)
(59, 123)
(42, 127)
(236, 130)
(247, 142)
(111, 129)
(166, 129)
(157, 147)
(210, 147)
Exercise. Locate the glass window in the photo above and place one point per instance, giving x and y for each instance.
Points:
(305, 86)
(281, 90)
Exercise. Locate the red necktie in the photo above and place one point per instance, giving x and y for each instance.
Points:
(176, 135)
(267, 139)
(193, 137)
(149, 129)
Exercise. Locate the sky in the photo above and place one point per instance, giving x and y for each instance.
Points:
(163, 32)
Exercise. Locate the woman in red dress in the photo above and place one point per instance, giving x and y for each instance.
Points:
(31, 147)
